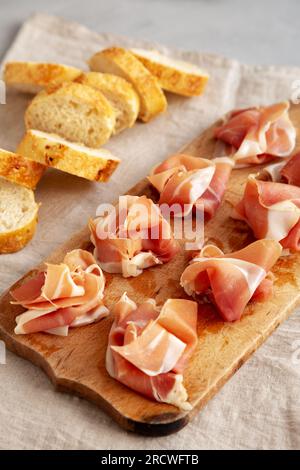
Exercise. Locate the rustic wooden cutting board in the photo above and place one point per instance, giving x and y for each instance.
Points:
(77, 363)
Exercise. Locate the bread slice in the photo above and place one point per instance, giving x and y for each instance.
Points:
(19, 170)
(75, 112)
(176, 76)
(119, 61)
(119, 93)
(31, 77)
(53, 151)
(18, 216)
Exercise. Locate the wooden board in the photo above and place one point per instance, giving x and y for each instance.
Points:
(77, 363)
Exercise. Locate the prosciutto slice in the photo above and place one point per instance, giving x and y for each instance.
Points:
(283, 172)
(290, 172)
(257, 135)
(149, 347)
(272, 210)
(230, 281)
(64, 295)
(132, 237)
(185, 182)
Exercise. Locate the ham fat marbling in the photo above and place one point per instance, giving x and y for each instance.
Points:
(64, 295)
(230, 281)
(149, 347)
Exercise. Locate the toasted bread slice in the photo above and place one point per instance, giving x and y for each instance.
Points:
(119, 61)
(75, 112)
(19, 170)
(32, 77)
(53, 151)
(119, 92)
(176, 76)
(18, 216)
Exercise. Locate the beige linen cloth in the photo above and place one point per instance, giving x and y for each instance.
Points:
(260, 406)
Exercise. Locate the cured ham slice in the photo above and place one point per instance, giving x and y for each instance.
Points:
(257, 135)
(185, 182)
(272, 210)
(64, 295)
(290, 172)
(284, 172)
(230, 281)
(148, 347)
(132, 237)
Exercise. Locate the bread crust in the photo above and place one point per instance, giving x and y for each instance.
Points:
(60, 155)
(173, 79)
(15, 240)
(31, 77)
(119, 92)
(20, 170)
(122, 62)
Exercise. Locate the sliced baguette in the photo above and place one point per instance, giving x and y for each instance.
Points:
(75, 112)
(20, 170)
(176, 76)
(18, 216)
(54, 151)
(119, 61)
(119, 92)
(32, 77)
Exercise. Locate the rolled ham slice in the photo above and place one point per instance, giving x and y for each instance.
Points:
(133, 237)
(64, 295)
(230, 281)
(283, 172)
(149, 347)
(186, 183)
(272, 210)
(257, 135)
(290, 172)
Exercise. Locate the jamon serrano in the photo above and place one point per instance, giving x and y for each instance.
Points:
(257, 135)
(64, 295)
(272, 210)
(185, 182)
(149, 347)
(231, 280)
(134, 236)
(290, 172)
(283, 172)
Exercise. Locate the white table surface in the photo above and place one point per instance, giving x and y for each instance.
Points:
(256, 32)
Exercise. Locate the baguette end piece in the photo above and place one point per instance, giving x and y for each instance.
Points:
(18, 218)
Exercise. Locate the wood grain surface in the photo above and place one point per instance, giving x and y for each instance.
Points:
(76, 364)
